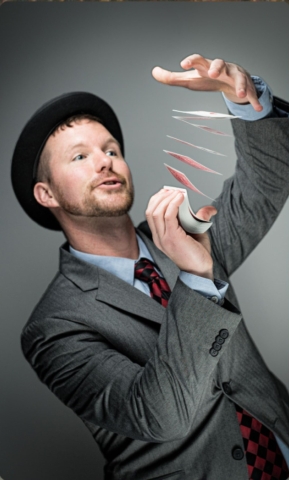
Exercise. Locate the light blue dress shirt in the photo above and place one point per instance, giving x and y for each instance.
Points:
(123, 268)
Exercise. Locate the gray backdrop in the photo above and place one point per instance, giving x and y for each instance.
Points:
(110, 49)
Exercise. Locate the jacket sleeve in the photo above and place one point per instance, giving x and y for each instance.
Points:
(154, 402)
(254, 196)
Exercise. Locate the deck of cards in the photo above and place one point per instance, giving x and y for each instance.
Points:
(187, 218)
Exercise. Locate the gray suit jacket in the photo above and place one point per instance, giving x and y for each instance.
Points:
(143, 378)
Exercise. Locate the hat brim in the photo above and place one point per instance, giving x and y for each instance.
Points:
(34, 136)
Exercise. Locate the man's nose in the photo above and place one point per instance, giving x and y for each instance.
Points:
(102, 161)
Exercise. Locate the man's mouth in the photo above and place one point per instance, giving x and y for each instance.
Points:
(110, 183)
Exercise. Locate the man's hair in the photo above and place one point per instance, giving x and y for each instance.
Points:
(43, 169)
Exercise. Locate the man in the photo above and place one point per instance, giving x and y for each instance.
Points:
(173, 388)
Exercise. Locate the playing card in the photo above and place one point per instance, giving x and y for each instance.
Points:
(193, 118)
(207, 129)
(196, 146)
(190, 161)
(183, 179)
(208, 114)
(187, 218)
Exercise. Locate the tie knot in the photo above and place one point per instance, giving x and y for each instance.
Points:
(145, 270)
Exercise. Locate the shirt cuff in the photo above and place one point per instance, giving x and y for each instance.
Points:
(247, 112)
(214, 291)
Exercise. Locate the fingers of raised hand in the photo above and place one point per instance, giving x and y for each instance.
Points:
(194, 61)
(172, 78)
(241, 83)
(201, 78)
(213, 68)
(217, 67)
(244, 87)
(252, 96)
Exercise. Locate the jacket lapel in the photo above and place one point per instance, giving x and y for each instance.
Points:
(114, 291)
(120, 295)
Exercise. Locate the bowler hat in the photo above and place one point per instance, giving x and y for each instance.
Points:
(34, 136)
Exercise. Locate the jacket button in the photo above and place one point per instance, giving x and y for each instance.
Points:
(213, 352)
(224, 333)
(237, 453)
(220, 340)
(217, 346)
(227, 389)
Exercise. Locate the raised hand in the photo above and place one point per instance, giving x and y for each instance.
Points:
(213, 76)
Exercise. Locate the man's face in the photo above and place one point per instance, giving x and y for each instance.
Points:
(89, 176)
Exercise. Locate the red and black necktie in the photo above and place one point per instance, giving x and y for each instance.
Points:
(145, 270)
(265, 460)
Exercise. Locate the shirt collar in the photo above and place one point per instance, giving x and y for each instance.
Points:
(122, 268)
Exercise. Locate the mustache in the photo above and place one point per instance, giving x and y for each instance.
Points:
(103, 178)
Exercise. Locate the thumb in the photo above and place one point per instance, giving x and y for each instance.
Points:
(162, 75)
(206, 213)
(171, 78)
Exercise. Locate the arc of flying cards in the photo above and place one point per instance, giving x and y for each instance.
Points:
(187, 218)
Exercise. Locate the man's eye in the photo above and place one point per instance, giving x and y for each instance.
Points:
(111, 153)
(79, 157)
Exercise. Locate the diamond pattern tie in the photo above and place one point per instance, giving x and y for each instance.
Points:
(159, 289)
(264, 457)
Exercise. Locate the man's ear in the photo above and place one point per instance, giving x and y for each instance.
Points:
(44, 195)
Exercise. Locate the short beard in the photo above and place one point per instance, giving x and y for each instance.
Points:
(99, 207)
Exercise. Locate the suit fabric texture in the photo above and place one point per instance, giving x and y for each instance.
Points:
(140, 376)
